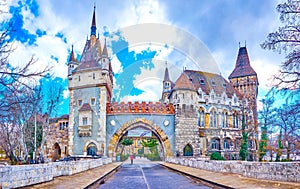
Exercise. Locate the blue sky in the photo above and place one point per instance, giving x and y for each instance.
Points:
(48, 28)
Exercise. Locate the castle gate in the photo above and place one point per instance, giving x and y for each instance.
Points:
(157, 119)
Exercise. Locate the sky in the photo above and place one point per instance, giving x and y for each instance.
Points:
(143, 35)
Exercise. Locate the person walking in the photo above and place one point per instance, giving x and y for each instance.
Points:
(131, 158)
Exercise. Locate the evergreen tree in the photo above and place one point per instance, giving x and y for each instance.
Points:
(263, 143)
(280, 147)
(244, 143)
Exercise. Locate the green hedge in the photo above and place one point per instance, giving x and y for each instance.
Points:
(216, 156)
(153, 157)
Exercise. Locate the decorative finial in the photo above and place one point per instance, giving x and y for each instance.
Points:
(166, 64)
(72, 47)
(239, 44)
(98, 35)
(245, 43)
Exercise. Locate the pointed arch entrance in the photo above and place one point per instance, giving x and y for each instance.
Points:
(140, 123)
(91, 149)
(188, 150)
(56, 152)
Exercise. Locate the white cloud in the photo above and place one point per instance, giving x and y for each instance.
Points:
(74, 22)
(116, 64)
(146, 11)
(66, 93)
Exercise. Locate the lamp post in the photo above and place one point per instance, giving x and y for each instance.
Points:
(34, 152)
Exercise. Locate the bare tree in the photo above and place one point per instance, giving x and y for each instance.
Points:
(289, 122)
(16, 78)
(287, 39)
(50, 94)
(15, 83)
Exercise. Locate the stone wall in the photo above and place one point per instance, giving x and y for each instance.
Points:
(24, 175)
(277, 171)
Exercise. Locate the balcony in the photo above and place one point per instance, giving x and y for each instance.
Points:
(85, 130)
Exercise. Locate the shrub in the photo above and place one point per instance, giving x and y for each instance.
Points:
(124, 157)
(286, 160)
(153, 157)
(216, 156)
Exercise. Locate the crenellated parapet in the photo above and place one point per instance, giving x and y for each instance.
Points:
(139, 108)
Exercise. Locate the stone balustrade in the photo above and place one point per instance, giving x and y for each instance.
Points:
(24, 175)
(277, 171)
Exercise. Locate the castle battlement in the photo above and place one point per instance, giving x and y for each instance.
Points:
(139, 108)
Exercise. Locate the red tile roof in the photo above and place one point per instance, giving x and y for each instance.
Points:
(193, 80)
(85, 107)
(184, 82)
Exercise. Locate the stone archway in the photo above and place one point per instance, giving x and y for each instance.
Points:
(91, 149)
(56, 152)
(140, 122)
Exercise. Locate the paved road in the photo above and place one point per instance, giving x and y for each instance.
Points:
(144, 174)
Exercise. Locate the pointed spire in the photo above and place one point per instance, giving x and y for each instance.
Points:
(72, 57)
(104, 52)
(167, 77)
(242, 65)
(93, 27)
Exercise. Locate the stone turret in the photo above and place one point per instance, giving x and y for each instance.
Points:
(73, 63)
(167, 86)
(244, 79)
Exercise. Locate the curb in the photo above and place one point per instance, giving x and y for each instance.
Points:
(197, 178)
(103, 178)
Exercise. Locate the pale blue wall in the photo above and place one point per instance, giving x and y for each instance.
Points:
(85, 95)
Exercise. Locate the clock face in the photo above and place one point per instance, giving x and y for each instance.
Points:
(166, 123)
(113, 122)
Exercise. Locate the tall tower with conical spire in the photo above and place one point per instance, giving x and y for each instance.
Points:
(167, 86)
(90, 85)
(244, 79)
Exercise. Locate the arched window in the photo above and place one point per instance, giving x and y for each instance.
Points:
(201, 118)
(235, 120)
(246, 121)
(61, 126)
(226, 143)
(188, 150)
(213, 119)
(56, 153)
(223, 119)
(91, 149)
(215, 144)
(226, 119)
